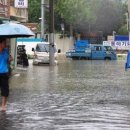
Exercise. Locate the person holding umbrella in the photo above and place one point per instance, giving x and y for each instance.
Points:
(4, 70)
(8, 30)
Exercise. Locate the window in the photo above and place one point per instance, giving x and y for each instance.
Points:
(97, 48)
(44, 48)
(108, 48)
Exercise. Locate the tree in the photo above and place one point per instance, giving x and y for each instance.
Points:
(109, 16)
(84, 15)
(34, 11)
(75, 12)
(123, 30)
(92, 15)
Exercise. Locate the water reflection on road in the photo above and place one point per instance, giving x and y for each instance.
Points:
(74, 95)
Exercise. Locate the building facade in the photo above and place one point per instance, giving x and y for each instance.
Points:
(18, 13)
(4, 9)
(13, 10)
(9, 10)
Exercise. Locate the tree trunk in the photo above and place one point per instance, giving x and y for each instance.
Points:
(71, 31)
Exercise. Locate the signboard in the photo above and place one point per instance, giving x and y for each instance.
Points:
(121, 45)
(121, 38)
(21, 3)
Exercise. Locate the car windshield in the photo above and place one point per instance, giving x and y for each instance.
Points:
(43, 48)
(108, 48)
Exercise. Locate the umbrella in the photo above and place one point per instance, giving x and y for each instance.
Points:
(13, 30)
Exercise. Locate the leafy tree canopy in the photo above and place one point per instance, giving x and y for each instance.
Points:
(103, 15)
(76, 12)
(88, 15)
(34, 10)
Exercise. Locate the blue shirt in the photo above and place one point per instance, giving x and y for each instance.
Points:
(4, 57)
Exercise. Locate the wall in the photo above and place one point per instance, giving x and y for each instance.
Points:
(64, 44)
(18, 14)
(4, 8)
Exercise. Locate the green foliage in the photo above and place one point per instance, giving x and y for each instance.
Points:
(34, 11)
(75, 12)
(88, 15)
(104, 15)
(109, 16)
(123, 30)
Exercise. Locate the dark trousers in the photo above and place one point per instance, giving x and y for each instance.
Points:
(4, 84)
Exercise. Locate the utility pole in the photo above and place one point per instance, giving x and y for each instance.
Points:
(51, 33)
(42, 18)
(129, 19)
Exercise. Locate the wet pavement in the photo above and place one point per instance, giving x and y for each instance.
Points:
(74, 95)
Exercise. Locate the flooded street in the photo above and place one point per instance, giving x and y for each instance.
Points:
(74, 95)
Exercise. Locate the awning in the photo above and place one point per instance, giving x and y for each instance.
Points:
(4, 20)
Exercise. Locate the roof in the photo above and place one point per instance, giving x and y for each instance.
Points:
(29, 40)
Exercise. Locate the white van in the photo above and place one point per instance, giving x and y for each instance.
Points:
(41, 53)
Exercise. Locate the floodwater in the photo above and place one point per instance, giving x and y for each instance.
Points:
(74, 95)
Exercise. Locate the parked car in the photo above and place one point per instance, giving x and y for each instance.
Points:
(41, 53)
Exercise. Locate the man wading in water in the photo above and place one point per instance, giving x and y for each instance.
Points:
(4, 73)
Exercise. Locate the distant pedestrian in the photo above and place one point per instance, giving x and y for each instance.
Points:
(4, 70)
